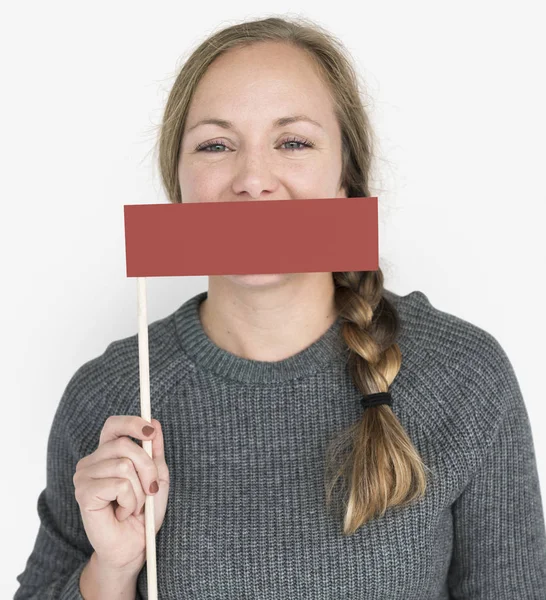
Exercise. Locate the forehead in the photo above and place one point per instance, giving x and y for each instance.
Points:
(266, 76)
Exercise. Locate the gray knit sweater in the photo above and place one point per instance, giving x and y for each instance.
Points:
(245, 444)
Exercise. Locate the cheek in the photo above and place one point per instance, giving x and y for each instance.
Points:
(200, 182)
(310, 181)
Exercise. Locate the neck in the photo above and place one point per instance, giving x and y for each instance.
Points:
(273, 318)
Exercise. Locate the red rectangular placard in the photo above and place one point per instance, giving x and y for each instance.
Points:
(251, 237)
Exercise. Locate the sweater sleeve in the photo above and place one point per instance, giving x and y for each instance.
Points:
(62, 549)
(499, 545)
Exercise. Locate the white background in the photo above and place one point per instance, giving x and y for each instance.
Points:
(458, 96)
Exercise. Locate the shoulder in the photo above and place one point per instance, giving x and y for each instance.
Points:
(447, 339)
(441, 333)
(456, 379)
(119, 364)
(109, 383)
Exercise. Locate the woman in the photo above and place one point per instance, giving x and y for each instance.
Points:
(275, 477)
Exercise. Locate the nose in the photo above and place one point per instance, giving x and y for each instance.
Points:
(254, 176)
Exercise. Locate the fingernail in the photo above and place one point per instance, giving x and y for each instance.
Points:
(147, 430)
(154, 488)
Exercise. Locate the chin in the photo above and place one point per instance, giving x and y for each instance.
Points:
(252, 280)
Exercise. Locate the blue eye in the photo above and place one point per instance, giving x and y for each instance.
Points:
(303, 142)
(206, 147)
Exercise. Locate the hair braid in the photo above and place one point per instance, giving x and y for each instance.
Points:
(375, 456)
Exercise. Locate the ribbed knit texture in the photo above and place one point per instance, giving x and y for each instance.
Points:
(245, 445)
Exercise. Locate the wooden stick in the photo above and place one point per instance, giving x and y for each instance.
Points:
(146, 413)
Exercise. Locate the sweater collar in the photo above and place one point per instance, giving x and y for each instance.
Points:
(327, 351)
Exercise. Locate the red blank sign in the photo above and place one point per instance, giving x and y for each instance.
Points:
(251, 237)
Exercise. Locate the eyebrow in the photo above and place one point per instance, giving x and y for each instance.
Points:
(278, 123)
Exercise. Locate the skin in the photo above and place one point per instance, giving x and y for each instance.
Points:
(266, 317)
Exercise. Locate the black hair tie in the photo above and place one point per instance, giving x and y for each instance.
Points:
(376, 399)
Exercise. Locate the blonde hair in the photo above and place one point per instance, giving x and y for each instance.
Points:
(374, 458)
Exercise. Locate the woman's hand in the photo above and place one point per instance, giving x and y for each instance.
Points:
(111, 486)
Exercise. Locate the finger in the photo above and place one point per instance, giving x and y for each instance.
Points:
(98, 494)
(117, 426)
(158, 454)
(113, 430)
(122, 468)
(145, 467)
(158, 443)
